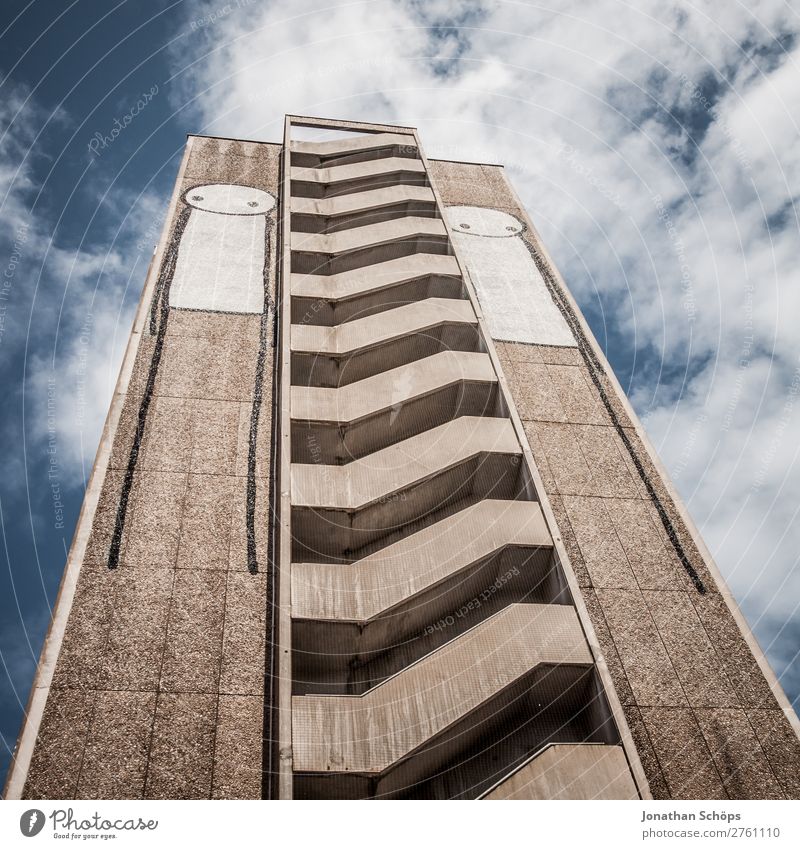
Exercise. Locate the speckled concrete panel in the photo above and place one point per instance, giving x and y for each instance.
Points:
(263, 450)
(212, 325)
(244, 638)
(738, 755)
(141, 366)
(654, 564)
(115, 760)
(781, 747)
(210, 367)
(232, 161)
(559, 444)
(190, 368)
(167, 445)
(601, 550)
(693, 656)
(156, 508)
(557, 355)
(516, 352)
(215, 437)
(579, 399)
(206, 527)
(734, 654)
(569, 540)
(193, 647)
(645, 660)
(683, 754)
(471, 184)
(122, 442)
(56, 763)
(137, 635)
(182, 751)
(609, 475)
(540, 456)
(237, 748)
(237, 553)
(608, 647)
(80, 661)
(238, 366)
(644, 748)
(538, 398)
(105, 516)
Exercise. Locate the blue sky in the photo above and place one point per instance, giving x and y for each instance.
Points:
(655, 145)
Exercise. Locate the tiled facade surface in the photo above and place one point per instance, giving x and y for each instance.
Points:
(158, 691)
(705, 720)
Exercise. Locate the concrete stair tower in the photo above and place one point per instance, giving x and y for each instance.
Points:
(436, 649)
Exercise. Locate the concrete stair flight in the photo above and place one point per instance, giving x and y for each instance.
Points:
(569, 771)
(372, 199)
(354, 144)
(396, 576)
(381, 275)
(384, 473)
(360, 174)
(369, 236)
(372, 732)
(389, 390)
(383, 327)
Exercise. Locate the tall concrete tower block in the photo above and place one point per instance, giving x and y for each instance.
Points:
(372, 518)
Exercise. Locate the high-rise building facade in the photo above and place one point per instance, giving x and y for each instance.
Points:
(371, 517)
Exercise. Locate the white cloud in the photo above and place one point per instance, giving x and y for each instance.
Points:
(64, 312)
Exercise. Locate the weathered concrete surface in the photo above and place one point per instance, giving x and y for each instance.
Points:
(359, 170)
(383, 327)
(361, 201)
(377, 276)
(390, 388)
(369, 733)
(401, 466)
(396, 574)
(513, 295)
(370, 235)
(565, 771)
(354, 144)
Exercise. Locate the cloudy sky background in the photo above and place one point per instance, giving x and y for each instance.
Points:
(655, 145)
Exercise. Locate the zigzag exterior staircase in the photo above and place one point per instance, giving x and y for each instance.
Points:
(435, 646)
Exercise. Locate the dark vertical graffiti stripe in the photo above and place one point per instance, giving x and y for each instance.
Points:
(161, 301)
(255, 414)
(595, 370)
